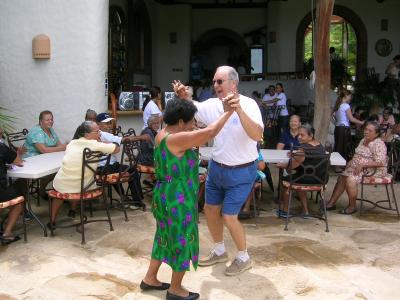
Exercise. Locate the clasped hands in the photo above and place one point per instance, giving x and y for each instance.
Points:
(230, 102)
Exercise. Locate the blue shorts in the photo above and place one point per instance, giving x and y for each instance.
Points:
(229, 187)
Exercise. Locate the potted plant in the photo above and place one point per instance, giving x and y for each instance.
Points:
(6, 120)
(370, 93)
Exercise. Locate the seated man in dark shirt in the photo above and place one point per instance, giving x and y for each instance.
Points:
(146, 155)
(7, 193)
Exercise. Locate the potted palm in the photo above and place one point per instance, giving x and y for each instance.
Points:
(370, 93)
(6, 120)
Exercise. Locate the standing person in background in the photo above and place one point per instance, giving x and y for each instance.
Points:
(392, 80)
(283, 120)
(269, 96)
(152, 107)
(343, 117)
(280, 100)
(232, 168)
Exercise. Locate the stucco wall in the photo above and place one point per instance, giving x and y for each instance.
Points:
(73, 79)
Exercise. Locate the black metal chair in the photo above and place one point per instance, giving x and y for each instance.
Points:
(17, 139)
(130, 132)
(94, 189)
(131, 150)
(370, 179)
(314, 168)
(271, 129)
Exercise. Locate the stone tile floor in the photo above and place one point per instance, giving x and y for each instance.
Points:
(358, 259)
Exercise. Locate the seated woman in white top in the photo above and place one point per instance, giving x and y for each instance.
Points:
(68, 177)
(152, 108)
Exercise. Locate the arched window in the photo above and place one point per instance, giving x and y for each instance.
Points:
(342, 42)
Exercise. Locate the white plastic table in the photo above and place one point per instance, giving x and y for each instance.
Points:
(36, 167)
(275, 156)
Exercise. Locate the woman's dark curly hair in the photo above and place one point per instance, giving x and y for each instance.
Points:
(179, 109)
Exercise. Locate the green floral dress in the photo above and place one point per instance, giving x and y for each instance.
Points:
(174, 207)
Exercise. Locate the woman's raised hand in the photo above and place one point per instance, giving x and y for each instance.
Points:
(180, 89)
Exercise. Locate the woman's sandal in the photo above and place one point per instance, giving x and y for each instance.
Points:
(345, 212)
(6, 240)
(333, 207)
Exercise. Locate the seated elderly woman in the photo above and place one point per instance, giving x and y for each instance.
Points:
(13, 193)
(146, 155)
(370, 153)
(290, 136)
(43, 139)
(68, 177)
(309, 145)
(89, 116)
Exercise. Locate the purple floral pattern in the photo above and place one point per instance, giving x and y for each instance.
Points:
(176, 241)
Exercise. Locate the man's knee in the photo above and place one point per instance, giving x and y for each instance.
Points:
(230, 219)
(212, 209)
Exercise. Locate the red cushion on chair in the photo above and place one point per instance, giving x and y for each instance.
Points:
(302, 187)
(12, 202)
(145, 169)
(378, 180)
(75, 196)
(114, 177)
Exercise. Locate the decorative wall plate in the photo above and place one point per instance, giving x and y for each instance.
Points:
(383, 47)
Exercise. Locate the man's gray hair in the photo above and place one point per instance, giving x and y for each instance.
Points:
(232, 73)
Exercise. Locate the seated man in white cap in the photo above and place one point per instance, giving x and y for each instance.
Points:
(104, 122)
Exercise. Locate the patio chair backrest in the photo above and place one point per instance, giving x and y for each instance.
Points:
(90, 162)
(394, 157)
(131, 150)
(130, 132)
(17, 139)
(314, 168)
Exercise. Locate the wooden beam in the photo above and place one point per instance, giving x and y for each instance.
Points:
(322, 108)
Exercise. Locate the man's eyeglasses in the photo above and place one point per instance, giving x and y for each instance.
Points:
(219, 81)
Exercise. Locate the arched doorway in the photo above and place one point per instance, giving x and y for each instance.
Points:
(347, 15)
(218, 47)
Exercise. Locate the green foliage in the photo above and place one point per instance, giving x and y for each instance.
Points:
(370, 93)
(336, 39)
(6, 120)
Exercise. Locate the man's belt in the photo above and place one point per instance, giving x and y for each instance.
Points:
(235, 166)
